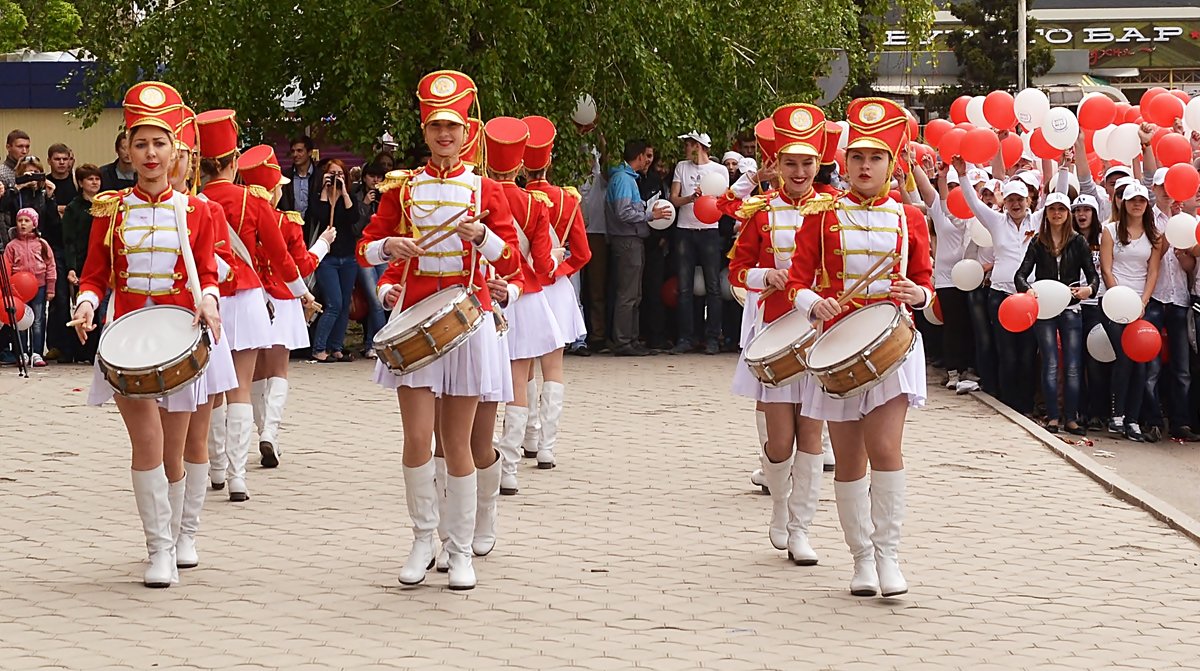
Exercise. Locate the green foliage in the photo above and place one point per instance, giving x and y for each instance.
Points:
(986, 46)
(654, 69)
(40, 25)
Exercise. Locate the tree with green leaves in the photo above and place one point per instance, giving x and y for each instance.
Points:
(986, 46)
(39, 25)
(654, 69)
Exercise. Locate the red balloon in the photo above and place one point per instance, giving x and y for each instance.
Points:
(1182, 181)
(1097, 112)
(1011, 148)
(670, 292)
(706, 210)
(958, 109)
(979, 146)
(1041, 148)
(24, 285)
(1018, 312)
(1141, 341)
(20, 305)
(1096, 165)
(1158, 136)
(1182, 95)
(1171, 149)
(951, 144)
(1149, 95)
(937, 309)
(956, 203)
(894, 194)
(965, 125)
(936, 129)
(1133, 114)
(998, 110)
(1163, 110)
(358, 303)
(913, 128)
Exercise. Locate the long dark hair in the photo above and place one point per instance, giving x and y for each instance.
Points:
(1147, 225)
(1045, 236)
(1093, 233)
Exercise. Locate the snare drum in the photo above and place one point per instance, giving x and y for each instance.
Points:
(152, 352)
(418, 336)
(739, 295)
(862, 349)
(776, 355)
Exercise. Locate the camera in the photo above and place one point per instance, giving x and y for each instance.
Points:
(375, 192)
(30, 177)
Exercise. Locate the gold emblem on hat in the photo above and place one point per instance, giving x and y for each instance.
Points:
(801, 119)
(152, 96)
(872, 113)
(443, 86)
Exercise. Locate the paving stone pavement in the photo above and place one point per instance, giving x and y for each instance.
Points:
(645, 548)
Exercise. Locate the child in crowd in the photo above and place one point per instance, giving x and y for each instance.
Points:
(28, 252)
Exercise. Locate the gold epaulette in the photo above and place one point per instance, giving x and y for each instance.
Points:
(820, 203)
(573, 191)
(541, 197)
(751, 206)
(106, 204)
(259, 192)
(294, 217)
(394, 179)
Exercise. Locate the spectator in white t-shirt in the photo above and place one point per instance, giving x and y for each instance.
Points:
(697, 243)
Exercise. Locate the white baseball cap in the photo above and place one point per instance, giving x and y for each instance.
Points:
(1084, 200)
(993, 185)
(1123, 182)
(702, 138)
(732, 156)
(1117, 170)
(1031, 177)
(1134, 190)
(975, 176)
(1058, 198)
(952, 176)
(1160, 176)
(1015, 187)
(748, 164)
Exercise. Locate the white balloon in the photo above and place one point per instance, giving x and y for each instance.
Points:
(1060, 128)
(967, 274)
(930, 315)
(1125, 144)
(698, 282)
(975, 113)
(663, 223)
(713, 183)
(844, 138)
(726, 287)
(26, 320)
(1100, 142)
(1181, 231)
(980, 235)
(1031, 107)
(1191, 114)
(1099, 346)
(1122, 305)
(585, 110)
(1052, 298)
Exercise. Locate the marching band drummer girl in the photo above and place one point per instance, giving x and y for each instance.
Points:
(136, 252)
(838, 242)
(411, 206)
(760, 263)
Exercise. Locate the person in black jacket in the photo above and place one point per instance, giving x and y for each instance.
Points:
(339, 269)
(1060, 253)
(306, 185)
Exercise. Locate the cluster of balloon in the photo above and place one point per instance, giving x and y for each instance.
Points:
(24, 287)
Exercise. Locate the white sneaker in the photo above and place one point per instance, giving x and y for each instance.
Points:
(951, 379)
(38, 361)
(966, 386)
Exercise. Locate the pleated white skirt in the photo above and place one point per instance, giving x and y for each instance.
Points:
(532, 328)
(471, 369)
(561, 297)
(289, 328)
(909, 380)
(245, 320)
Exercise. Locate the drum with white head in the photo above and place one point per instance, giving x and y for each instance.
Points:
(429, 329)
(776, 355)
(862, 349)
(152, 352)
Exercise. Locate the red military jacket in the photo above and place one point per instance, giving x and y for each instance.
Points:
(226, 259)
(842, 238)
(306, 261)
(531, 214)
(250, 214)
(416, 203)
(134, 250)
(566, 218)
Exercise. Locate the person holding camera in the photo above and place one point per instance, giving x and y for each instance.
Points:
(368, 276)
(339, 269)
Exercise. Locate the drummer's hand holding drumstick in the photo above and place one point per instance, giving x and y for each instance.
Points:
(401, 249)
(82, 320)
(329, 235)
(211, 314)
(827, 308)
(907, 291)
(392, 295)
(776, 279)
(499, 290)
(471, 230)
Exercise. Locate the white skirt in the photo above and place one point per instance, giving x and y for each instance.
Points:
(503, 370)
(471, 369)
(561, 297)
(532, 327)
(749, 317)
(245, 320)
(909, 380)
(289, 328)
(220, 376)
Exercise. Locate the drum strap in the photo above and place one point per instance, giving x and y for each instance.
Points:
(903, 244)
(179, 203)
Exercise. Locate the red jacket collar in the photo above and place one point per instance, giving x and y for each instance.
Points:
(160, 198)
(453, 171)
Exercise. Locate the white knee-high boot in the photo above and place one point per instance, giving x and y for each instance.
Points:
(802, 506)
(533, 429)
(258, 399)
(193, 503)
(760, 423)
(439, 480)
(420, 493)
(150, 490)
(549, 414)
(461, 495)
(779, 481)
(509, 446)
(268, 440)
(175, 494)
(887, 514)
(218, 461)
(854, 512)
(239, 420)
(488, 483)
(827, 448)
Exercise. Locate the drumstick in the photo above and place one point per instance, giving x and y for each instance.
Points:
(881, 268)
(451, 221)
(451, 231)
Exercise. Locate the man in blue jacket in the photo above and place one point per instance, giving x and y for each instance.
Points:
(628, 225)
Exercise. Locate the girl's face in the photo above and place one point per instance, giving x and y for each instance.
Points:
(1016, 206)
(1057, 214)
(1083, 218)
(445, 140)
(1136, 207)
(796, 173)
(152, 152)
(24, 226)
(90, 185)
(868, 169)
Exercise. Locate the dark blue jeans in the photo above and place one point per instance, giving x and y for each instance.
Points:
(1176, 384)
(703, 247)
(376, 317)
(1097, 386)
(1128, 376)
(1015, 359)
(984, 355)
(1067, 327)
(336, 276)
